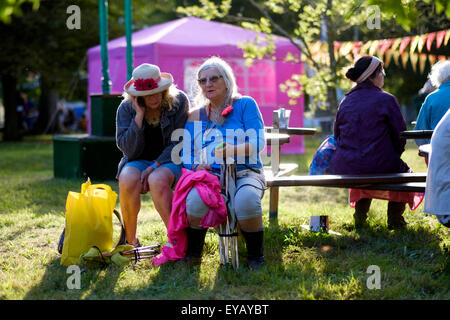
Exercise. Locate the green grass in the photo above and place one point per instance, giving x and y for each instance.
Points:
(300, 264)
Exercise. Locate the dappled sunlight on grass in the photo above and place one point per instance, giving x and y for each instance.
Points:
(300, 264)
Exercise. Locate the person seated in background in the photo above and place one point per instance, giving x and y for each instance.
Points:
(82, 123)
(421, 95)
(437, 189)
(367, 132)
(436, 103)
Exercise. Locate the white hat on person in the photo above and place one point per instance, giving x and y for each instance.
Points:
(148, 79)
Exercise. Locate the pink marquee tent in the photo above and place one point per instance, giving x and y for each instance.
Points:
(180, 46)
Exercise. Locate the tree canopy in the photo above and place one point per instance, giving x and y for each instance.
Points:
(36, 40)
(306, 22)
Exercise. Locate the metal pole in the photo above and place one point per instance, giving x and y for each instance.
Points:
(103, 29)
(128, 33)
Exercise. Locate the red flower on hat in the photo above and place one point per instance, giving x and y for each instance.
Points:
(145, 84)
(227, 111)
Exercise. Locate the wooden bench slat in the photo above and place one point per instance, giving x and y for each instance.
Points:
(293, 131)
(278, 139)
(416, 134)
(406, 187)
(407, 182)
(344, 180)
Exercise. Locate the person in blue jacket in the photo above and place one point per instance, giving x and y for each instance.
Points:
(152, 109)
(436, 103)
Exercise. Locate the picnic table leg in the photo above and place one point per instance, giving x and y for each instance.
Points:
(273, 205)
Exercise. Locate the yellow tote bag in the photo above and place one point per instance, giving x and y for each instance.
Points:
(88, 221)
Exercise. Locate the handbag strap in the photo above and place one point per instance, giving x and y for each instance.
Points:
(122, 237)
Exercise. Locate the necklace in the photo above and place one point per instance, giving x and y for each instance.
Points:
(214, 115)
(153, 117)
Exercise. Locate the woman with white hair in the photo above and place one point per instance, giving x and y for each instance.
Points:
(436, 103)
(152, 109)
(223, 117)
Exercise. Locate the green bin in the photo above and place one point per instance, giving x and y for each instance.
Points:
(103, 114)
(83, 156)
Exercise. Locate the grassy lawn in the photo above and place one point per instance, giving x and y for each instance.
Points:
(414, 263)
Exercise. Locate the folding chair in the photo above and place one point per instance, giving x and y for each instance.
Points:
(228, 235)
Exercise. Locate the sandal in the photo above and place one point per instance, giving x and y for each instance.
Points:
(136, 245)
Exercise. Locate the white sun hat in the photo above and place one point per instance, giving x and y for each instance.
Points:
(148, 79)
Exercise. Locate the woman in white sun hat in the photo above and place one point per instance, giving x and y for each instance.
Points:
(151, 110)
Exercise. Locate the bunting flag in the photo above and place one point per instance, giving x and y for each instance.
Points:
(315, 49)
(373, 47)
(421, 43)
(356, 49)
(396, 55)
(414, 57)
(431, 59)
(440, 38)
(346, 48)
(404, 43)
(413, 44)
(422, 61)
(387, 58)
(404, 56)
(396, 44)
(365, 47)
(447, 36)
(388, 49)
(385, 45)
(430, 40)
(337, 45)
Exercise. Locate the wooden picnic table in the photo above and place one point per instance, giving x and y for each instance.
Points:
(277, 168)
(416, 134)
(292, 131)
(276, 138)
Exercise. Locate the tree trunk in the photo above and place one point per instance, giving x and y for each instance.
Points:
(48, 121)
(332, 103)
(12, 130)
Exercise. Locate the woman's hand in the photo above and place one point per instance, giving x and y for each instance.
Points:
(225, 151)
(202, 166)
(144, 179)
(140, 111)
(240, 150)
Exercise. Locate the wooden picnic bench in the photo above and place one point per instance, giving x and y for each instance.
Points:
(410, 182)
(278, 137)
(278, 176)
(416, 134)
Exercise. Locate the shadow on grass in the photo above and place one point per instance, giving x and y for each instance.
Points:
(411, 258)
(299, 265)
(94, 283)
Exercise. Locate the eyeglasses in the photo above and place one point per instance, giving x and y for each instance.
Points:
(212, 79)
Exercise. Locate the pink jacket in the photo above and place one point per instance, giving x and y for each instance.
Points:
(208, 187)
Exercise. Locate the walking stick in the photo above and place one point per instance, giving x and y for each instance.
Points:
(228, 230)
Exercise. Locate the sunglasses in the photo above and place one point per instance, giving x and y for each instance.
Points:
(212, 79)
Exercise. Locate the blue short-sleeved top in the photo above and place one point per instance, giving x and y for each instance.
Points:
(243, 124)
